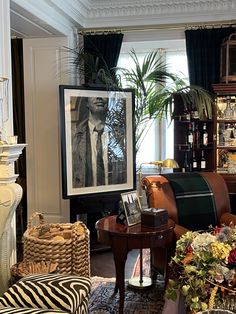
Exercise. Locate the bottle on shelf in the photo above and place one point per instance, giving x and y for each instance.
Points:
(189, 136)
(233, 107)
(194, 113)
(202, 162)
(228, 110)
(204, 135)
(185, 114)
(186, 167)
(220, 105)
(232, 134)
(221, 132)
(197, 137)
(194, 162)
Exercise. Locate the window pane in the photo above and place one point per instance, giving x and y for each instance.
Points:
(159, 142)
(177, 63)
(148, 147)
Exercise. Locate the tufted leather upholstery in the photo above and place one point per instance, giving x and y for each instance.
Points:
(160, 195)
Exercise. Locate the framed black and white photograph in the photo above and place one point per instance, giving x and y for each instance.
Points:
(132, 207)
(97, 140)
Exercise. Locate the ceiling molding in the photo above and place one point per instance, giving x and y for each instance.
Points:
(154, 12)
(76, 11)
(44, 14)
(45, 18)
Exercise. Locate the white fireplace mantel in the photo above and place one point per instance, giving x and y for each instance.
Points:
(8, 155)
(10, 196)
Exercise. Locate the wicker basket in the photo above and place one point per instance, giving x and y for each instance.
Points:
(66, 244)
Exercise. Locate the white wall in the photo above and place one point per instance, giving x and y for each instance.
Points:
(43, 72)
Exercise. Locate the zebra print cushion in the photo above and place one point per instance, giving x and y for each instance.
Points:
(9, 310)
(49, 291)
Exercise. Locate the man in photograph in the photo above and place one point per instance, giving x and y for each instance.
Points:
(96, 160)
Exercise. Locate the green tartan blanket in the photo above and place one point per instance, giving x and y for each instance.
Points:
(194, 200)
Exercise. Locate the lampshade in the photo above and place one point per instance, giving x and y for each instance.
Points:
(170, 163)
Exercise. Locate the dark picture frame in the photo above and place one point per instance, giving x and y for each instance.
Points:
(132, 207)
(80, 165)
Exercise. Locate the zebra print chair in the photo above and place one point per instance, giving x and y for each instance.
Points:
(49, 293)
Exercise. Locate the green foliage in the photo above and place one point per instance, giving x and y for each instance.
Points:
(203, 261)
(155, 90)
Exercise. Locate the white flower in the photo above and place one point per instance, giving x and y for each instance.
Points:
(202, 241)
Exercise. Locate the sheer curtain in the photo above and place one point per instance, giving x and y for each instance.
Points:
(158, 143)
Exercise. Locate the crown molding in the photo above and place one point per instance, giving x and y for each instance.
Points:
(76, 11)
(60, 17)
(156, 12)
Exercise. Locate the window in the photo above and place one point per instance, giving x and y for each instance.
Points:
(158, 143)
(177, 63)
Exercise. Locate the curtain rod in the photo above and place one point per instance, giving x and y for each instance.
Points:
(93, 31)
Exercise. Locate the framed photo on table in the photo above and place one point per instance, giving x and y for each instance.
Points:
(97, 140)
(132, 207)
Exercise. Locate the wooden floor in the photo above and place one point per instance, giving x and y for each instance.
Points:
(102, 264)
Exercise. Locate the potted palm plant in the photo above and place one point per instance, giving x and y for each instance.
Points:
(156, 89)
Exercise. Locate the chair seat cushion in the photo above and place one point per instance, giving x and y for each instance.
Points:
(48, 291)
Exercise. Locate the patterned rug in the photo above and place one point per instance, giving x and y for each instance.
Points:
(148, 301)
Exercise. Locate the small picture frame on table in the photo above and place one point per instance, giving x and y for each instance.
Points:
(132, 207)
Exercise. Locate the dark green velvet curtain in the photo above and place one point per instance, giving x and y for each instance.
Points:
(105, 49)
(19, 112)
(107, 46)
(203, 53)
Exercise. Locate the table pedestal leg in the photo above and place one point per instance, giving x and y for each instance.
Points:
(120, 252)
(140, 282)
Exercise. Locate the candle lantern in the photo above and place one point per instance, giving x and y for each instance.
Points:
(228, 59)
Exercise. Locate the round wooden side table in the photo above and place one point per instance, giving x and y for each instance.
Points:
(122, 239)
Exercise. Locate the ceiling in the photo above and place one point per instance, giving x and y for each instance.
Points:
(50, 18)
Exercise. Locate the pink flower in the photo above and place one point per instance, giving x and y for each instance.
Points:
(232, 258)
(189, 249)
(216, 230)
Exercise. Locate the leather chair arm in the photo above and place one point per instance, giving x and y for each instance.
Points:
(179, 231)
(228, 218)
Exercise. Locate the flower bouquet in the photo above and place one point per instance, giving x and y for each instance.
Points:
(203, 269)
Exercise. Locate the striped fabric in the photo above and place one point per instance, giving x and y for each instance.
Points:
(8, 310)
(194, 200)
(67, 293)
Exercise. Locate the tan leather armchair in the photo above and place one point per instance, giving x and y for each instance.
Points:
(160, 194)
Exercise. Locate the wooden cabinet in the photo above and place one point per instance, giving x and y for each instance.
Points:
(187, 154)
(221, 145)
(225, 121)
